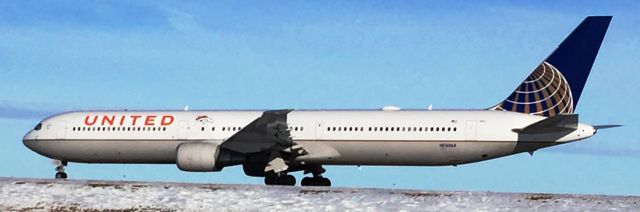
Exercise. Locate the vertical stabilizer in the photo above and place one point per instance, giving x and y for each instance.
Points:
(555, 86)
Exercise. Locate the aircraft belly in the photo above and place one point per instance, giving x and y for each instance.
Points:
(109, 151)
(409, 153)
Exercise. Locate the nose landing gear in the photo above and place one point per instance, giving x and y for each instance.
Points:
(60, 174)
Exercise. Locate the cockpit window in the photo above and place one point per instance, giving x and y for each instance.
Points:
(38, 127)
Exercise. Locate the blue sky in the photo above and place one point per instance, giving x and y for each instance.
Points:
(68, 55)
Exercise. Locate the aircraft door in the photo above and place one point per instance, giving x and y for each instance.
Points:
(318, 129)
(183, 130)
(472, 130)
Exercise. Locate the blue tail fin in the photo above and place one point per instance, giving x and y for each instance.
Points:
(555, 85)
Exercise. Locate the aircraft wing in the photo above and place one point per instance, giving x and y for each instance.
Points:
(270, 130)
(562, 122)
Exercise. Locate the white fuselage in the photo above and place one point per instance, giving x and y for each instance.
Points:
(334, 137)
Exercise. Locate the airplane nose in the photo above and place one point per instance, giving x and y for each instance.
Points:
(29, 138)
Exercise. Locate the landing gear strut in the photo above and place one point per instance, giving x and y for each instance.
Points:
(279, 179)
(317, 179)
(60, 174)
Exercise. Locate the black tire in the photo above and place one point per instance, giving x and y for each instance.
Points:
(271, 179)
(288, 180)
(61, 175)
(324, 182)
(307, 181)
(315, 181)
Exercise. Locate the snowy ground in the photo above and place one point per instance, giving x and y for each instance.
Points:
(44, 194)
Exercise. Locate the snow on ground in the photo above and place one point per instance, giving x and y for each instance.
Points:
(45, 194)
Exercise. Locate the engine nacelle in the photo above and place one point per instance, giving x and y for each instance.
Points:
(198, 157)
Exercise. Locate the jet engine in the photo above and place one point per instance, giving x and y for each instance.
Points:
(205, 157)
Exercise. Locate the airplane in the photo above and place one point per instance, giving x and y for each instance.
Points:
(539, 113)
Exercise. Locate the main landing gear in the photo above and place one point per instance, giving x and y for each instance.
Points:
(285, 179)
(279, 179)
(317, 179)
(60, 174)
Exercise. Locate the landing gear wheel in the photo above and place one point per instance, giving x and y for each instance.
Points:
(324, 182)
(288, 180)
(274, 179)
(315, 181)
(61, 175)
(271, 179)
(307, 181)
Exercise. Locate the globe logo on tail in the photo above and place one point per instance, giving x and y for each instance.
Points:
(545, 92)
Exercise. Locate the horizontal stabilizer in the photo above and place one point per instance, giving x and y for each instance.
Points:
(598, 127)
(561, 122)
